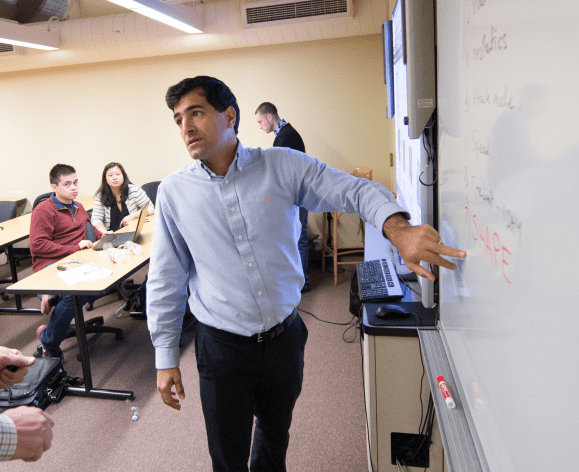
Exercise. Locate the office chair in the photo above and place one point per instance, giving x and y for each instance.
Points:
(37, 200)
(40, 199)
(150, 189)
(7, 212)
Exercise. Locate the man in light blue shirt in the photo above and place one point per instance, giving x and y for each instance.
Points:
(226, 229)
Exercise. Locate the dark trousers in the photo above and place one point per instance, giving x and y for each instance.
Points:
(63, 314)
(239, 380)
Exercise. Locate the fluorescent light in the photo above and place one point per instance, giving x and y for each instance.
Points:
(130, 4)
(20, 35)
(177, 16)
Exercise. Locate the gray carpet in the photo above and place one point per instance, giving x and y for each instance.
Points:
(328, 430)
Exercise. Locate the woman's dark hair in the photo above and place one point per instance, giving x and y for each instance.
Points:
(107, 197)
(217, 94)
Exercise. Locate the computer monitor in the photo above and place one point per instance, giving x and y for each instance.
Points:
(415, 170)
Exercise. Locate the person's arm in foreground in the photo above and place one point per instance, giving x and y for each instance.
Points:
(33, 433)
(419, 243)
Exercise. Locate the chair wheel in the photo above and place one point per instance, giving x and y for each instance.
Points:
(88, 307)
(78, 358)
(4, 296)
(119, 337)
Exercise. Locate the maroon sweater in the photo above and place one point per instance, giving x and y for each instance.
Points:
(54, 233)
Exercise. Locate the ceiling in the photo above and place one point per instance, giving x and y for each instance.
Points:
(99, 31)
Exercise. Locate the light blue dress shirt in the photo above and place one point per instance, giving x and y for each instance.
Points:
(233, 240)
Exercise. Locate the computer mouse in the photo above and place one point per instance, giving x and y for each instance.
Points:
(391, 311)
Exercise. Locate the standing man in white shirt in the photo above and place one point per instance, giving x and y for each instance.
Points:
(226, 229)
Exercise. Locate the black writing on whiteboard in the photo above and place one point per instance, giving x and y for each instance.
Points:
(514, 224)
(475, 6)
(489, 44)
(512, 221)
(479, 144)
(500, 98)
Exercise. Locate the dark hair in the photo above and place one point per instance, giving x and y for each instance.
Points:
(107, 197)
(59, 170)
(217, 94)
(267, 108)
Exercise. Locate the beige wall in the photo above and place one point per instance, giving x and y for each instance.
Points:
(331, 91)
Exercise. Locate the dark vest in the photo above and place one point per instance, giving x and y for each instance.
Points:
(289, 137)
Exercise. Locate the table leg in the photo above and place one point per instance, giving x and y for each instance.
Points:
(88, 390)
(17, 297)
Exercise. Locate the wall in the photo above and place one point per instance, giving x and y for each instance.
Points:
(332, 91)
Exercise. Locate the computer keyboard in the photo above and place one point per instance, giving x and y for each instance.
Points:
(377, 280)
(122, 238)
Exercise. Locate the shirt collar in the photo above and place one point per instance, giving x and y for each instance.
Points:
(279, 126)
(241, 157)
(59, 205)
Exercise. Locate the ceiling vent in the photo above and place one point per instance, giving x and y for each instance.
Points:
(10, 50)
(270, 13)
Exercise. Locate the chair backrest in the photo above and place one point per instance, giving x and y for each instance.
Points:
(364, 172)
(90, 234)
(150, 189)
(40, 199)
(7, 210)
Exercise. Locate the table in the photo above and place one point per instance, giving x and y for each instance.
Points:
(14, 231)
(47, 281)
(18, 200)
(393, 374)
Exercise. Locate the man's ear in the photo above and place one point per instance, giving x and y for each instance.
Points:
(231, 116)
(53, 187)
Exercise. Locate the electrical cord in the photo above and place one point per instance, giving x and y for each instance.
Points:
(429, 138)
(353, 323)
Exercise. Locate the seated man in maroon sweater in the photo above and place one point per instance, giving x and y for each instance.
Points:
(58, 229)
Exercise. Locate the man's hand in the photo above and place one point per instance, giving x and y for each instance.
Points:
(85, 243)
(13, 357)
(419, 243)
(166, 378)
(34, 428)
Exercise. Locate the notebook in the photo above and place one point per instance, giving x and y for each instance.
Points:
(118, 239)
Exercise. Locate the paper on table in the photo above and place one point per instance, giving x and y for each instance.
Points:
(84, 273)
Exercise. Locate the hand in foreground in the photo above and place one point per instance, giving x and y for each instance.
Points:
(419, 243)
(34, 428)
(85, 243)
(13, 357)
(166, 378)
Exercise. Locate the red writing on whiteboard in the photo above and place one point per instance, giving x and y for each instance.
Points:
(489, 241)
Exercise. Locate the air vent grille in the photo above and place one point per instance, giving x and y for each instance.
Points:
(6, 47)
(295, 10)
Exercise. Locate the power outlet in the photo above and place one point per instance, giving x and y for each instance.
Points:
(411, 450)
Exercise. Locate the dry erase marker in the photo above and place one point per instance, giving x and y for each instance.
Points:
(445, 392)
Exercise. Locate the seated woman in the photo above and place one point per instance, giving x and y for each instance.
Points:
(117, 201)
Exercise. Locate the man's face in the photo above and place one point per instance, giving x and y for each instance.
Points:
(265, 122)
(67, 189)
(204, 130)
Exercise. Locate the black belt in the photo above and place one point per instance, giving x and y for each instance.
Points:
(259, 337)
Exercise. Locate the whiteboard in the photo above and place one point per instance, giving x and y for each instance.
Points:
(508, 161)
